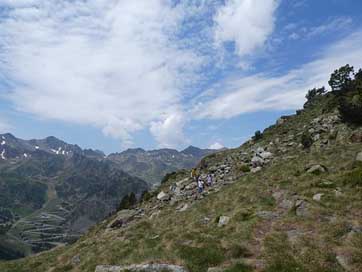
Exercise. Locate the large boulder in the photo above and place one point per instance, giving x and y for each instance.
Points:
(266, 155)
(162, 196)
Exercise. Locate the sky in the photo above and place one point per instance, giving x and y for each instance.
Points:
(117, 74)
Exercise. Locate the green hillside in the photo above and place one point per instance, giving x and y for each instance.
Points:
(290, 199)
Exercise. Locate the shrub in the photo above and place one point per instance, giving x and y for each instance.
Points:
(168, 176)
(341, 78)
(258, 135)
(146, 195)
(307, 140)
(201, 258)
(127, 202)
(244, 168)
(238, 251)
(353, 178)
(239, 267)
(313, 93)
(351, 109)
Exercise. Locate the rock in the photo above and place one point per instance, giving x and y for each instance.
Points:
(140, 268)
(316, 169)
(266, 155)
(277, 195)
(302, 208)
(259, 150)
(343, 261)
(255, 170)
(223, 220)
(338, 193)
(123, 217)
(162, 196)
(184, 207)
(356, 137)
(316, 137)
(257, 161)
(76, 260)
(267, 215)
(155, 214)
(317, 197)
(191, 186)
(286, 204)
(359, 157)
(181, 182)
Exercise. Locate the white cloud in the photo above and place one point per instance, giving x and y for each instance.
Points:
(216, 145)
(169, 132)
(112, 64)
(333, 25)
(263, 92)
(247, 23)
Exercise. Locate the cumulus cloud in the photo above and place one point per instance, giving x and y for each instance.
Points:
(263, 92)
(247, 23)
(112, 64)
(216, 145)
(169, 132)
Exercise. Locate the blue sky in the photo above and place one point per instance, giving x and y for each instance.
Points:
(164, 73)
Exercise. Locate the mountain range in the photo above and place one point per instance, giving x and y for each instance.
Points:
(51, 192)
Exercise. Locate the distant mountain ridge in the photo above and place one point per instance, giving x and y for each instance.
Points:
(51, 192)
(153, 165)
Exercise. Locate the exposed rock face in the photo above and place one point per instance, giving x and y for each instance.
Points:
(141, 268)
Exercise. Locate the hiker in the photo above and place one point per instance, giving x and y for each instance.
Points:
(209, 180)
(194, 175)
(200, 185)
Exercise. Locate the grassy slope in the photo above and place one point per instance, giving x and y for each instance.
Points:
(192, 238)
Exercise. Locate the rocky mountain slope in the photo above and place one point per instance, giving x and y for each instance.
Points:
(287, 200)
(153, 165)
(51, 192)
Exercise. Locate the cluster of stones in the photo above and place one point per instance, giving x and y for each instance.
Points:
(322, 129)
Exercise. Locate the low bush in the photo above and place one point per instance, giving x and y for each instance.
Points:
(201, 258)
(353, 178)
(239, 267)
(307, 140)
